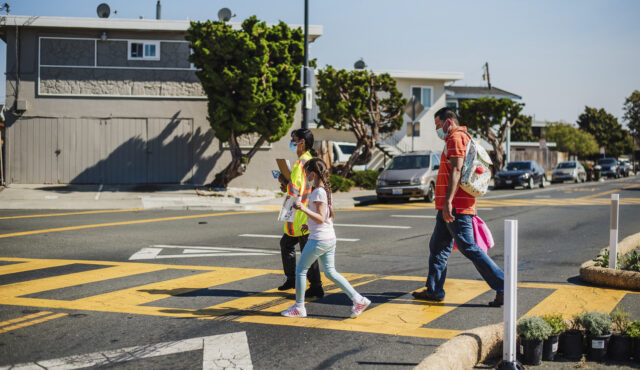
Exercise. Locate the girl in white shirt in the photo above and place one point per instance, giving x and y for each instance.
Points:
(322, 241)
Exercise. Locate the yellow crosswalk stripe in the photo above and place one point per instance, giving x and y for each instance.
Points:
(24, 318)
(32, 322)
(570, 301)
(72, 213)
(22, 266)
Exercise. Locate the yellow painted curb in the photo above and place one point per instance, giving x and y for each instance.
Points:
(467, 349)
(614, 278)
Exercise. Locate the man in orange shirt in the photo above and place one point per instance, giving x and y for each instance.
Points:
(456, 209)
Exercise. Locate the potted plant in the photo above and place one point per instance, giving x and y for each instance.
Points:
(633, 330)
(620, 342)
(550, 345)
(572, 340)
(598, 328)
(532, 331)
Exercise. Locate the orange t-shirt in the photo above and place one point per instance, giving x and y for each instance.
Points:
(456, 146)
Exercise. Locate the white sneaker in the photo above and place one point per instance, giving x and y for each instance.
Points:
(359, 307)
(294, 311)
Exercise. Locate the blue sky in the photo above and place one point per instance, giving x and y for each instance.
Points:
(559, 55)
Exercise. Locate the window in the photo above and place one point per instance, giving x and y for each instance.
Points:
(453, 105)
(144, 50)
(423, 95)
(409, 162)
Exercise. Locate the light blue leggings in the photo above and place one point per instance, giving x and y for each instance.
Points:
(325, 251)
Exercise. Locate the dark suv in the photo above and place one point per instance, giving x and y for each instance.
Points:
(609, 167)
(521, 173)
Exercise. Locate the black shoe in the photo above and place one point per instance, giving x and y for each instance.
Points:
(426, 295)
(316, 292)
(498, 301)
(287, 285)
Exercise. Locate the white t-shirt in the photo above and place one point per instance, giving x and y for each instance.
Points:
(323, 231)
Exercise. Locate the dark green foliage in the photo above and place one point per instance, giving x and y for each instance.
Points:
(521, 130)
(607, 131)
(556, 322)
(633, 330)
(365, 179)
(631, 261)
(602, 260)
(596, 323)
(533, 328)
(490, 118)
(571, 139)
(360, 101)
(632, 113)
(339, 183)
(252, 79)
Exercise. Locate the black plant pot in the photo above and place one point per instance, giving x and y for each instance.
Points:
(572, 344)
(550, 347)
(598, 346)
(531, 351)
(635, 349)
(619, 347)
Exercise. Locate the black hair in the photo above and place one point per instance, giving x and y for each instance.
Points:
(307, 135)
(318, 166)
(446, 113)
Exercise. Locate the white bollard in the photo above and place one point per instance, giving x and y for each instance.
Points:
(510, 292)
(613, 231)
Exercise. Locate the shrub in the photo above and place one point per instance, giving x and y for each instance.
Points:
(596, 323)
(365, 179)
(556, 322)
(339, 183)
(620, 320)
(533, 328)
(632, 261)
(574, 323)
(602, 260)
(633, 330)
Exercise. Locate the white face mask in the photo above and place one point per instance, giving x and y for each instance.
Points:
(441, 134)
(312, 182)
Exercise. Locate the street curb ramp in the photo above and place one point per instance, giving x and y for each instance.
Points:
(622, 279)
(466, 350)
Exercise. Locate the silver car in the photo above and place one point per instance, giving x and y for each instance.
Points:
(569, 170)
(409, 175)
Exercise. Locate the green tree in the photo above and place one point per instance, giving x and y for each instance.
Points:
(607, 131)
(632, 114)
(521, 130)
(490, 118)
(252, 80)
(367, 104)
(571, 139)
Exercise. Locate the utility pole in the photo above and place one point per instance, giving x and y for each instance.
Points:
(486, 76)
(306, 104)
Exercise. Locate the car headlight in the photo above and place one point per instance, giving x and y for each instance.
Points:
(525, 175)
(613, 168)
(415, 181)
(424, 180)
(382, 182)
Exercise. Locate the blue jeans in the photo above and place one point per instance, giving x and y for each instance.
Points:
(440, 247)
(325, 251)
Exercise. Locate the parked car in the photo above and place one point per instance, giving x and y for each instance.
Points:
(625, 167)
(569, 170)
(521, 173)
(608, 167)
(409, 175)
(342, 152)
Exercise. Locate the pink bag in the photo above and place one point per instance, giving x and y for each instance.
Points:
(481, 234)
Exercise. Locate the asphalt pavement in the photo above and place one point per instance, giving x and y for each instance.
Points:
(161, 288)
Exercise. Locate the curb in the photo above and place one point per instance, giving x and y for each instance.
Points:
(467, 349)
(623, 279)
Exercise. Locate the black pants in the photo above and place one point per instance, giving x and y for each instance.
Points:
(288, 252)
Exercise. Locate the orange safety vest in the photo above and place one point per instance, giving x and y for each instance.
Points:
(298, 187)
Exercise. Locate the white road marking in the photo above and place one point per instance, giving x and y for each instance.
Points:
(154, 251)
(374, 226)
(413, 216)
(99, 191)
(218, 351)
(280, 236)
(484, 209)
(50, 197)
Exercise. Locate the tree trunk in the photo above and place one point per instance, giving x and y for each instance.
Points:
(497, 157)
(236, 168)
(352, 159)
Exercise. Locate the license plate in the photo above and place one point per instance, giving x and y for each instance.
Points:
(396, 191)
(508, 181)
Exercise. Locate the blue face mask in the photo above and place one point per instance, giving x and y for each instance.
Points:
(441, 134)
(293, 147)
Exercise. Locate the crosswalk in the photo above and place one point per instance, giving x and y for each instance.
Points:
(202, 292)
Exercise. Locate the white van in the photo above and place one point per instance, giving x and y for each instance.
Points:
(342, 152)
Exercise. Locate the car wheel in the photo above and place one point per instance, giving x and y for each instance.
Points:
(542, 180)
(530, 184)
(577, 179)
(431, 193)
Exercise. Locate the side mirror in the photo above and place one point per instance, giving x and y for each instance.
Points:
(437, 166)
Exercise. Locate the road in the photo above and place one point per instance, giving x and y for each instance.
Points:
(179, 289)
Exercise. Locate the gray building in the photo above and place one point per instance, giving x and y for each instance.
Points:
(112, 101)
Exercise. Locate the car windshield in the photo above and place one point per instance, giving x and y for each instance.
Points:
(518, 166)
(347, 149)
(606, 161)
(567, 165)
(409, 162)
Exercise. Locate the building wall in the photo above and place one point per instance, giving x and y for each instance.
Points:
(123, 128)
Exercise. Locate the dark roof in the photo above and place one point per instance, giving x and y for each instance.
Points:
(474, 92)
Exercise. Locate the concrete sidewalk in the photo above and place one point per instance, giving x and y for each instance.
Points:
(174, 197)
